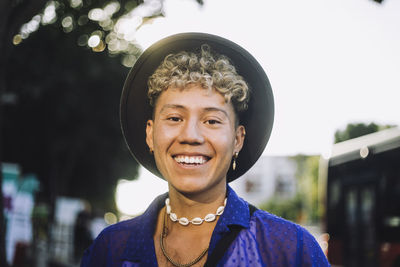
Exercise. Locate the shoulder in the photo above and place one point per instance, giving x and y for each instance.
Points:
(284, 241)
(126, 239)
(269, 228)
(107, 248)
(275, 226)
(278, 228)
(119, 231)
(122, 227)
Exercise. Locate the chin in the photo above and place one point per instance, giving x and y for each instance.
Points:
(191, 186)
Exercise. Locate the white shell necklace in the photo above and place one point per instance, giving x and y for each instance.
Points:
(196, 221)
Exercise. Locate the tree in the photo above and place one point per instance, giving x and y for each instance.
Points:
(52, 125)
(65, 124)
(103, 25)
(307, 186)
(354, 130)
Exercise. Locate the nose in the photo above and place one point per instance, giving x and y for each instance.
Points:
(191, 133)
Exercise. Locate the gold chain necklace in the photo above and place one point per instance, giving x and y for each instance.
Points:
(177, 264)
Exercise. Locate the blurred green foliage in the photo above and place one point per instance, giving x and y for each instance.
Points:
(103, 25)
(303, 207)
(354, 130)
(64, 125)
(290, 209)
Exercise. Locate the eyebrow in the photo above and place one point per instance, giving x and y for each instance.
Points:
(216, 109)
(167, 106)
(207, 109)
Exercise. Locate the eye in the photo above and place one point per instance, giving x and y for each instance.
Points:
(174, 119)
(212, 122)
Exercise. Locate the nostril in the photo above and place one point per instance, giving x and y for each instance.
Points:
(190, 142)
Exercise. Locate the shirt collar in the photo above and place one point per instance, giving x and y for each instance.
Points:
(236, 211)
(140, 244)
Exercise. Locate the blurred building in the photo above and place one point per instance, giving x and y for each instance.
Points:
(19, 200)
(32, 237)
(362, 191)
(271, 176)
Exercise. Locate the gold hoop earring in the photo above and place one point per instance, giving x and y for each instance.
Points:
(234, 160)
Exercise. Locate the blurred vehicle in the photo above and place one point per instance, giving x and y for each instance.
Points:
(361, 184)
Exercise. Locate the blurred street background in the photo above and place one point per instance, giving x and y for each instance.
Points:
(331, 165)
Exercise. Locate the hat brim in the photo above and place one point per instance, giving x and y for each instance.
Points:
(135, 108)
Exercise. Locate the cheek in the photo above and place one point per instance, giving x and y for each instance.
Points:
(163, 135)
(224, 142)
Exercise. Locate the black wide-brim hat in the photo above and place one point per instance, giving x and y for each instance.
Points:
(135, 107)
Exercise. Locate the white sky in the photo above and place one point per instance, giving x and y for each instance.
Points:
(141, 192)
(330, 62)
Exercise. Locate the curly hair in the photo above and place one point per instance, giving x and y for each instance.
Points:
(205, 68)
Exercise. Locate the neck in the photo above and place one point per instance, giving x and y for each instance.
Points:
(196, 205)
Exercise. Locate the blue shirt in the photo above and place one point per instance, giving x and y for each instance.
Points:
(265, 240)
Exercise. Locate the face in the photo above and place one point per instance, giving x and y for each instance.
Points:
(194, 138)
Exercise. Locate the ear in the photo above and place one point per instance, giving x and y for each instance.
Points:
(239, 138)
(149, 134)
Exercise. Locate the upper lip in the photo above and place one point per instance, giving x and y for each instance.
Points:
(191, 154)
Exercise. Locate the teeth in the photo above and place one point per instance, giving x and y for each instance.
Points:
(190, 160)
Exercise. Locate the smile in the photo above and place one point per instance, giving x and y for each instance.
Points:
(191, 159)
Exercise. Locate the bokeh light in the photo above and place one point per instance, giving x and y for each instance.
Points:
(83, 40)
(121, 30)
(31, 26)
(82, 20)
(100, 47)
(94, 40)
(96, 14)
(110, 218)
(76, 3)
(17, 39)
(49, 13)
(364, 152)
(67, 23)
(128, 60)
(111, 8)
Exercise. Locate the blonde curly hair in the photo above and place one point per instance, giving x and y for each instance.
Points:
(207, 69)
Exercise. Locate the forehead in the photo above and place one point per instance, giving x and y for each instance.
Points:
(193, 97)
